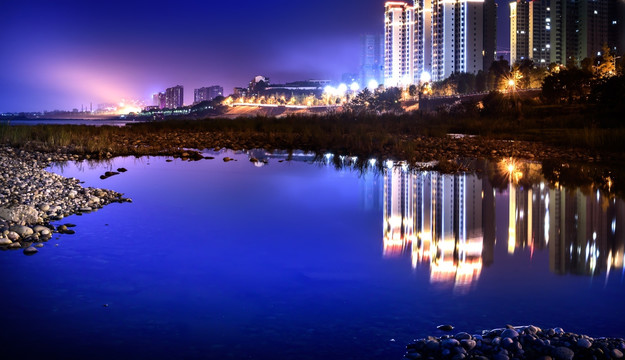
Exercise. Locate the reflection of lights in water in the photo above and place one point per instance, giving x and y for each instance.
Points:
(511, 218)
(613, 226)
(511, 168)
(372, 162)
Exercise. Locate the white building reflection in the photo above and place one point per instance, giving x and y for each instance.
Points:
(447, 222)
(438, 220)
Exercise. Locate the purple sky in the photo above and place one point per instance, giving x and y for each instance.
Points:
(63, 54)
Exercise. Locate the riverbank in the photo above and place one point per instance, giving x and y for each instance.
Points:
(521, 342)
(31, 198)
(592, 156)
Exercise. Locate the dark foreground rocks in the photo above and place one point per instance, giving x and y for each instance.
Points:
(521, 342)
(31, 198)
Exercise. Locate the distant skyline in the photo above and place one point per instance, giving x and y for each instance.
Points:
(64, 54)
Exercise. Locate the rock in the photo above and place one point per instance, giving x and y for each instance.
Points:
(44, 207)
(448, 343)
(468, 344)
(20, 213)
(30, 250)
(121, 170)
(510, 333)
(563, 353)
(21, 230)
(584, 343)
(616, 354)
(5, 241)
(39, 245)
(445, 327)
(39, 228)
(226, 159)
(462, 335)
(13, 236)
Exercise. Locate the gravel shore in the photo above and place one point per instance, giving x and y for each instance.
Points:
(31, 198)
(520, 342)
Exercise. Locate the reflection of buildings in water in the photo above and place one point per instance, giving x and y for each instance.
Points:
(448, 222)
(438, 218)
(583, 232)
(371, 196)
(579, 229)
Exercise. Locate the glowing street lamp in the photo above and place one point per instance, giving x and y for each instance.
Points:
(354, 87)
(372, 85)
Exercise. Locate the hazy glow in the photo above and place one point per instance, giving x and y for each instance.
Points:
(373, 84)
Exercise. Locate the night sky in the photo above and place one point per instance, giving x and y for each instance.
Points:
(66, 53)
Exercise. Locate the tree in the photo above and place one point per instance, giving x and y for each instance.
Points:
(412, 90)
(387, 100)
(497, 74)
(606, 67)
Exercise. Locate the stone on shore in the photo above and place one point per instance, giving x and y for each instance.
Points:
(19, 213)
(31, 197)
(520, 343)
(22, 231)
(30, 250)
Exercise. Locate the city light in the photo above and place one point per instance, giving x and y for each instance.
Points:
(341, 90)
(354, 87)
(373, 84)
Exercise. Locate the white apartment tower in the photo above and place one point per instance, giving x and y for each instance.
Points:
(423, 40)
(399, 25)
(457, 37)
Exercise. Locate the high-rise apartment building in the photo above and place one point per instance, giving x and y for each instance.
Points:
(530, 28)
(490, 33)
(432, 39)
(159, 100)
(519, 30)
(174, 97)
(616, 26)
(399, 23)
(540, 32)
(457, 37)
(207, 93)
(579, 29)
(423, 40)
(371, 59)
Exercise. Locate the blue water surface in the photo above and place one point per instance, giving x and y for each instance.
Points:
(294, 260)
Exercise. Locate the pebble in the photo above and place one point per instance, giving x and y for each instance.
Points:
(31, 197)
(30, 250)
(517, 342)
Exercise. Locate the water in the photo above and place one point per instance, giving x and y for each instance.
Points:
(299, 260)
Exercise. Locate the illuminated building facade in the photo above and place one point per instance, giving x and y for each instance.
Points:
(399, 24)
(371, 59)
(540, 32)
(457, 37)
(519, 30)
(174, 97)
(159, 100)
(207, 93)
(530, 29)
(423, 40)
(432, 39)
